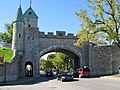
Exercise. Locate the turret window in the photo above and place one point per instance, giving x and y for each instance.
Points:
(33, 38)
(29, 25)
(28, 37)
(30, 13)
(19, 35)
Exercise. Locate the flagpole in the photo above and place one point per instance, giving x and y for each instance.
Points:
(30, 3)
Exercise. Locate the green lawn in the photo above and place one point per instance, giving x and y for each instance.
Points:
(7, 53)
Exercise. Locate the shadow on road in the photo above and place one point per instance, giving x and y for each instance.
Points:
(35, 80)
(28, 81)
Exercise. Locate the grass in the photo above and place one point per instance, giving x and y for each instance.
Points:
(7, 53)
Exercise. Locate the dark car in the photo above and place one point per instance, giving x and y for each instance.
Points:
(66, 76)
(84, 72)
(76, 74)
(59, 75)
(49, 74)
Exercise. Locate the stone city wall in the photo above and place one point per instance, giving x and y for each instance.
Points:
(104, 59)
(59, 34)
(10, 70)
(55, 40)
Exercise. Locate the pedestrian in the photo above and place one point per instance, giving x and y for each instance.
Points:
(119, 69)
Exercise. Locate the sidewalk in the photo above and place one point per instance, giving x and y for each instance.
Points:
(19, 81)
(117, 76)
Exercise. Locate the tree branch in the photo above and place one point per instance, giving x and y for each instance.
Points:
(113, 14)
(99, 22)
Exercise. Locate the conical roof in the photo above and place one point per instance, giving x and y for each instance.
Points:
(19, 15)
(30, 13)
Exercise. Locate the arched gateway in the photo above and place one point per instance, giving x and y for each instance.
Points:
(70, 51)
(31, 44)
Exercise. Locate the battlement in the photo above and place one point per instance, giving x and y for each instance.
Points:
(59, 34)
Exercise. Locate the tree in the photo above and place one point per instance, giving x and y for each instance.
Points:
(50, 61)
(7, 35)
(42, 64)
(56, 61)
(59, 60)
(102, 24)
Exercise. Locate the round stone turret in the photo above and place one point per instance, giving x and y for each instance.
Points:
(18, 31)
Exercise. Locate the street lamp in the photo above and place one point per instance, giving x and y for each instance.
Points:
(69, 63)
(5, 65)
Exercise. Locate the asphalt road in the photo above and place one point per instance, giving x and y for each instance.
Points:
(82, 84)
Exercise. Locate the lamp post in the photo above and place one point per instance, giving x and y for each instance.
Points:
(69, 63)
(5, 65)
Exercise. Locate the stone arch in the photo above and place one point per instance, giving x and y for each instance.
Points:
(28, 69)
(71, 51)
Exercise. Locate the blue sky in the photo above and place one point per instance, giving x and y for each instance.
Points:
(53, 14)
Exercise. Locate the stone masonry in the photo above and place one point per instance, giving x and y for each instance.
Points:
(29, 44)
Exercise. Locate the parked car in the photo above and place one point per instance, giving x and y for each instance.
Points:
(59, 75)
(49, 73)
(66, 76)
(76, 74)
(84, 72)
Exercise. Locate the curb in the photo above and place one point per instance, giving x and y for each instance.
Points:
(19, 81)
(110, 77)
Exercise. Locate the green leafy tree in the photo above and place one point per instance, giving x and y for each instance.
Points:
(50, 61)
(102, 23)
(7, 35)
(62, 59)
(42, 64)
(55, 61)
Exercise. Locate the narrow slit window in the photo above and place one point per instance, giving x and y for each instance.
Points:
(28, 37)
(29, 25)
(33, 38)
(19, 35)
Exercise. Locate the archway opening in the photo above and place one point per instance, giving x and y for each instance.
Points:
(28, 69)
(72, 61)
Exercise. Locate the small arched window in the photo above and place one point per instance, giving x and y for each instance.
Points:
(29, 25)
(33, 38)
(28, 37)
(30, 13)
(19, 35)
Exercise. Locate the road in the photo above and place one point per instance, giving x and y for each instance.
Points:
(82, 84)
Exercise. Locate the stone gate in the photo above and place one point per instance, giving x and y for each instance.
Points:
(29, 44)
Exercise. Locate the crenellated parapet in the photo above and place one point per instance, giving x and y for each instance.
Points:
(59, 34)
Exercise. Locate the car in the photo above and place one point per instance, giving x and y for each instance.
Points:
(49, 74)
(66, 76)
(84, 72)
(76, 74)
(59, 75)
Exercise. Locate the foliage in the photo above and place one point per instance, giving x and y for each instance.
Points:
(7, 35)
(7, 53)
(103, 23)
(60, 60)
(42, 64)
(55, 61)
